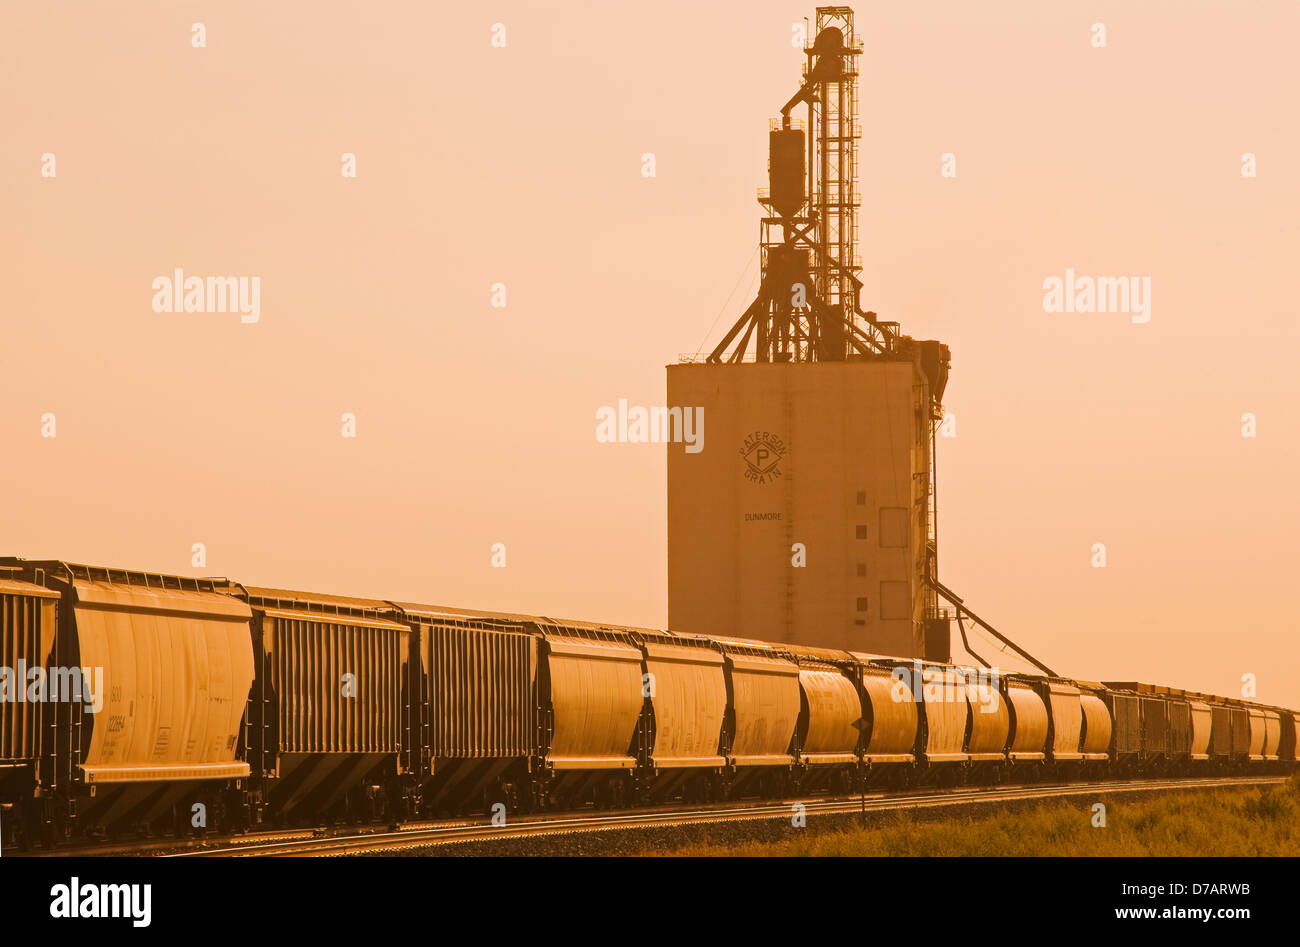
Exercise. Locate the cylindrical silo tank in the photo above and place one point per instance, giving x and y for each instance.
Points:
(785, 170)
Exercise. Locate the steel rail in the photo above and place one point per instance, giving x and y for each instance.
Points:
(426, 835)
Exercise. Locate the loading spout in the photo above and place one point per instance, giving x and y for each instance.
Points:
(966, 644)
(955, 600)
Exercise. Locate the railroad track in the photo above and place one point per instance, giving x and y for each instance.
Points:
(432, 834)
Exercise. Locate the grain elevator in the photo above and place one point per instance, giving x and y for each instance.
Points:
(809, 516)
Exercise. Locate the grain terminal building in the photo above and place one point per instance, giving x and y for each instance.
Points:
(807, 517)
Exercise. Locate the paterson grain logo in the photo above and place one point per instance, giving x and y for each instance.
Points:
(762, 453)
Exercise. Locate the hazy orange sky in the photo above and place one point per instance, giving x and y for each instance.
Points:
(522, 165)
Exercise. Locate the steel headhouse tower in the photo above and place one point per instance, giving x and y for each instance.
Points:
(808, 306)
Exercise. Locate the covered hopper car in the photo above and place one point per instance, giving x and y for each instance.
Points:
(135, 702)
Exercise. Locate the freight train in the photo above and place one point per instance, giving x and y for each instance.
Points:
(157, 704)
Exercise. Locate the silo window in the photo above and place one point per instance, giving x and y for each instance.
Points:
(862, 498)
(862, 569)
(893, 527)
(862, 604)
(862, 532)
(895, 601)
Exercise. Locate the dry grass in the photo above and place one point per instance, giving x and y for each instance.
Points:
(1215, 822)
